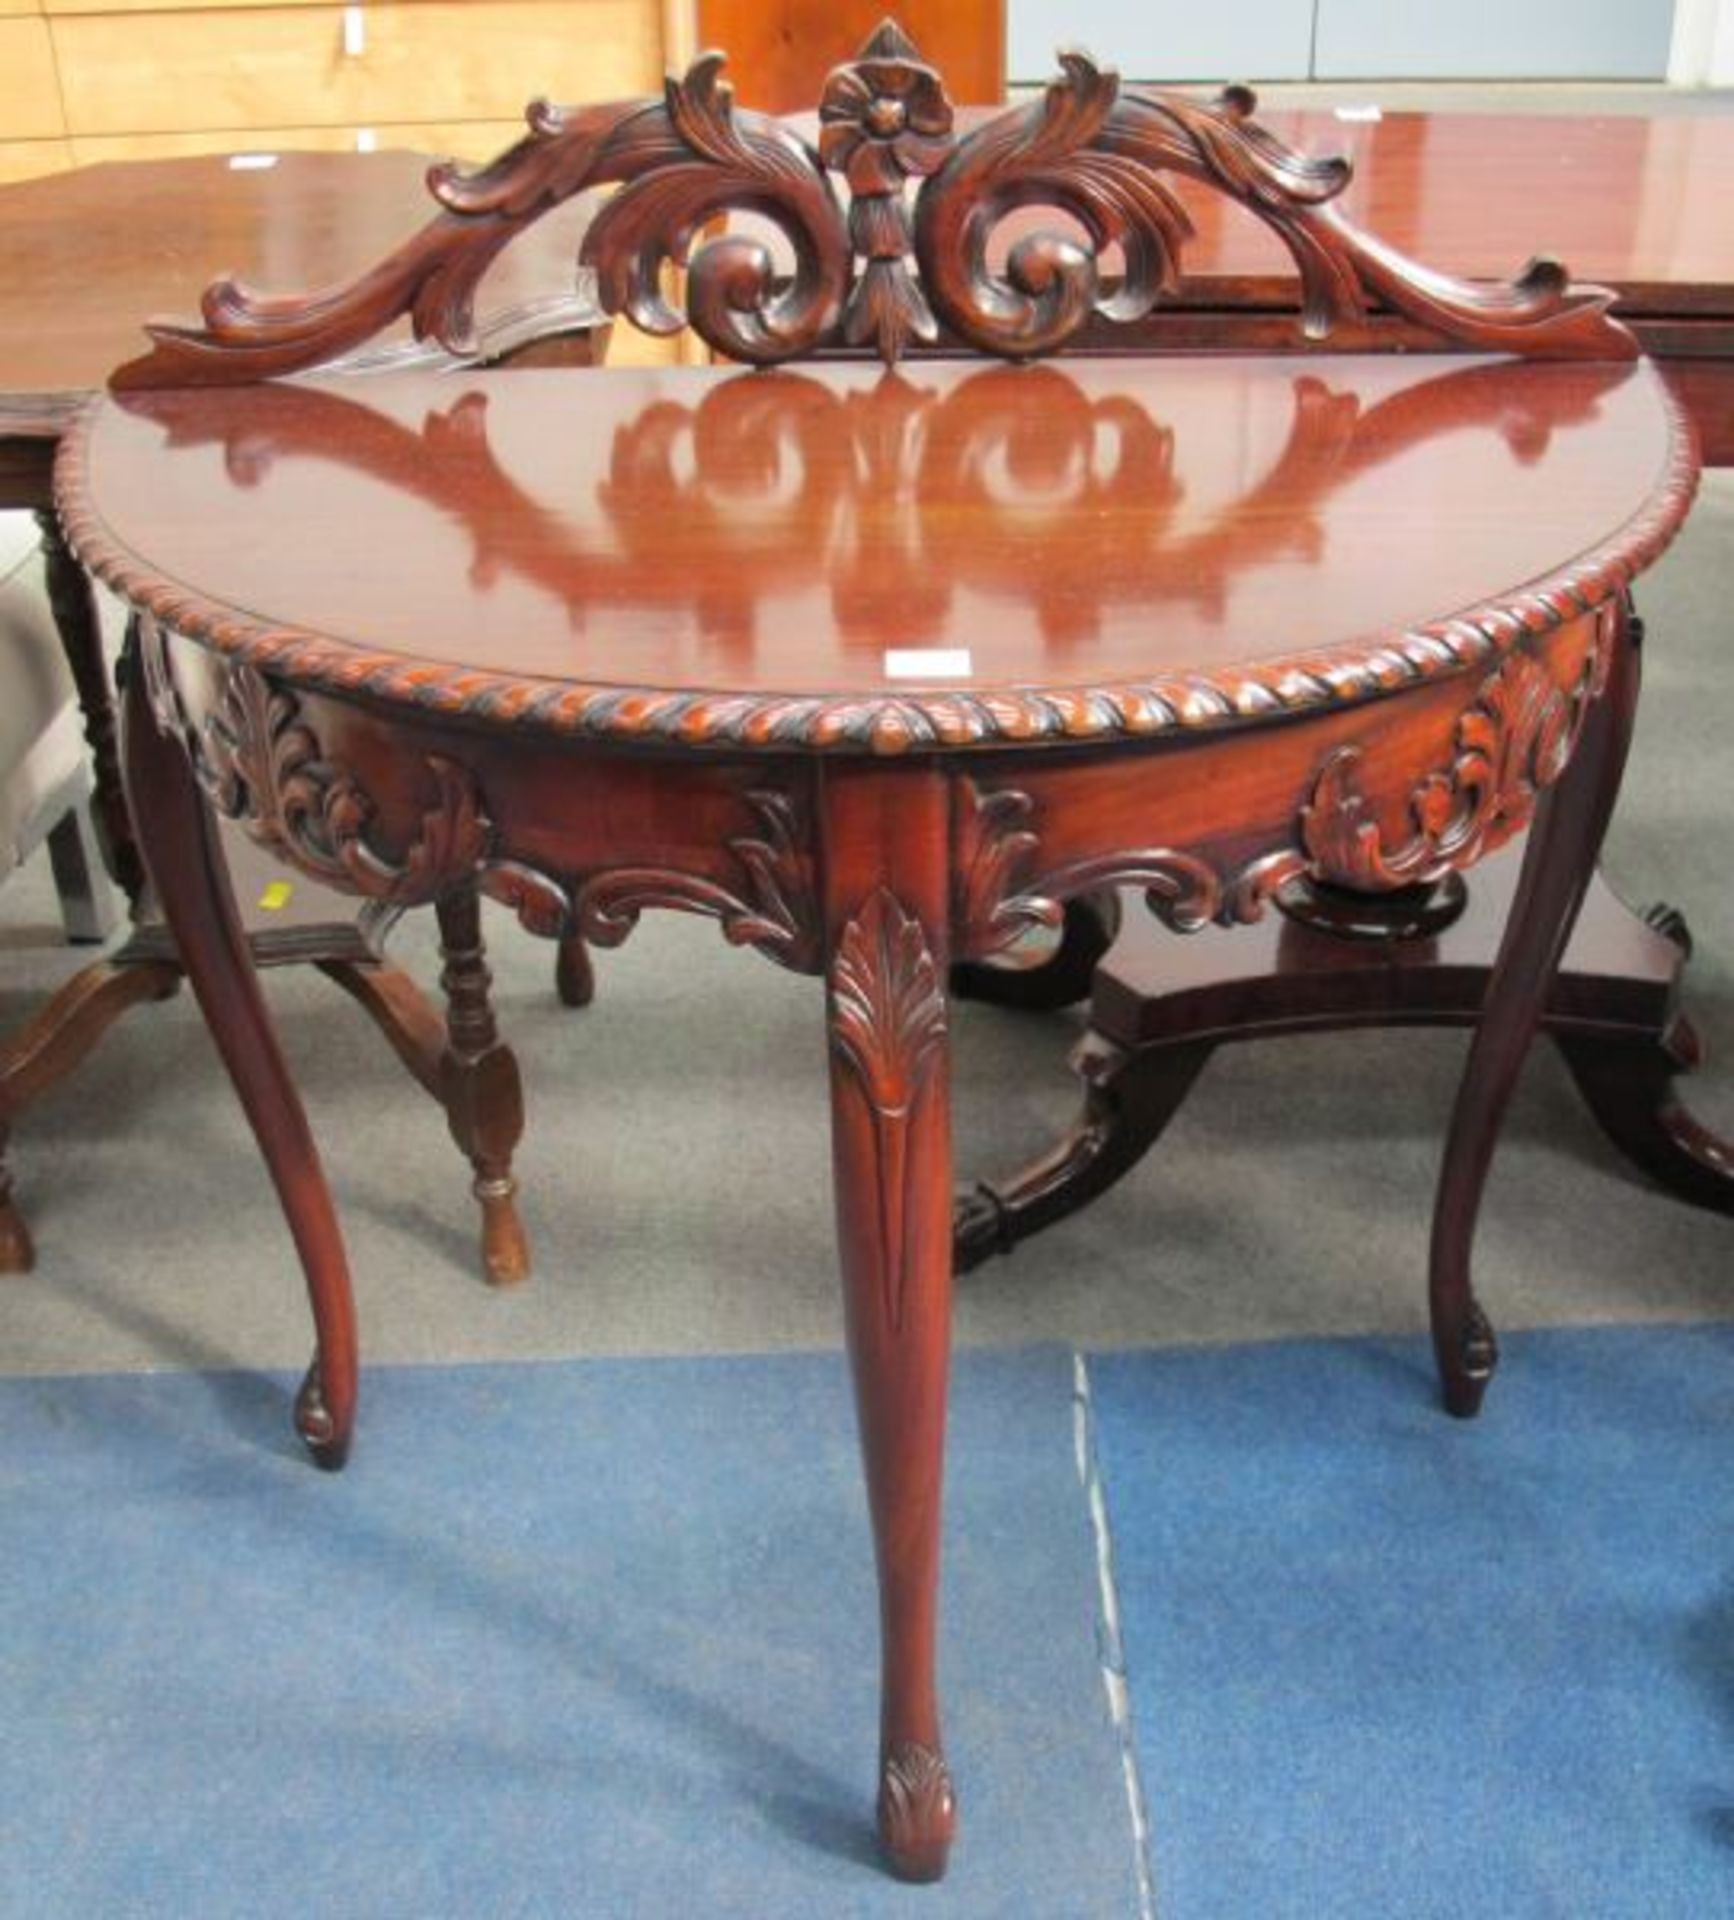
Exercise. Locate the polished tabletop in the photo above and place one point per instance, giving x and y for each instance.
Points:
(839, 530)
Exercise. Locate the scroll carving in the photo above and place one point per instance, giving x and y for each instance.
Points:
(260, 765)
(1000, 896)
(776, 911)
(887, 1013)
(1513, 741)
(1100, 153)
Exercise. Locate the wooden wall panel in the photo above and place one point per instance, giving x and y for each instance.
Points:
(445, 61)
(473, 140)
(25, 159)
(29, 89)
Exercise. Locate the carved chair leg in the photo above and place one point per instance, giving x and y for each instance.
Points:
(17, 1255)
(479, 1086)
(574, 977)
(886, 908)
(1129, 1098)
(1628, 1084)
(72, 600)
(1063, 977)
(1570, 819)
(180, 844)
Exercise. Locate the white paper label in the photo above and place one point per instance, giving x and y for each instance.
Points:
(354, 32)
(366, 140)
(927, 663)
(1368, 113)
(251, 162)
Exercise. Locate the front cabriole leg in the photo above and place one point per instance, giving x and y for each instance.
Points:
(179, 841)
(1571, 816)
(885, 852)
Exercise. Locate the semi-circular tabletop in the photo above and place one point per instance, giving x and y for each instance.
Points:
(953, 555)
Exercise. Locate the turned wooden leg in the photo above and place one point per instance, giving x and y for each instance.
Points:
(1570, 819)
(179, 841)
(574, 976)
(479, 1086)
(72, 600)
(1061, 978)
(886, 907)
(1129, 1098)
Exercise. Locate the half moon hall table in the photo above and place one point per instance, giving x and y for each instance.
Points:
(879, 669)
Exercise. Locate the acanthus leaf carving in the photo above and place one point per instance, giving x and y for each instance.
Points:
(776, 911)
(1096, 151)
(261, 765)
(888, 1023)
(1513, 741)
(1003, 892)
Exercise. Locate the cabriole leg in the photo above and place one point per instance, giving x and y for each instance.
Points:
(1570, 819)
(179, 842)
(886, 918)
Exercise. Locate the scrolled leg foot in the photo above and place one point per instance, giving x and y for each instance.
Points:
(917, 1811)
(1467, 1357)
(326, 1437)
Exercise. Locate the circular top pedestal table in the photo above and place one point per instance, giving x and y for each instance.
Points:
(878, 670)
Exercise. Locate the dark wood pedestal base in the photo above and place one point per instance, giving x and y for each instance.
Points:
(460, 1062)
(1160, 1006)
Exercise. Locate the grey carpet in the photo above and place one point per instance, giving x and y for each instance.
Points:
(676, 1172)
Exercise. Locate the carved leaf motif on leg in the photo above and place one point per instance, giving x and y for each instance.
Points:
(916, 1802)
(888, 1022)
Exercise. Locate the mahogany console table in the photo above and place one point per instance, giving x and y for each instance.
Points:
(881, 669)
(93, 250)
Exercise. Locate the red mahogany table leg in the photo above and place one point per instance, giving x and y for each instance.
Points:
(1558, 863)
(179, 841)
(885, 837)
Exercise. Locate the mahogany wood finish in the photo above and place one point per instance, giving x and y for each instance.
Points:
(878, 670)
(593, 643)
(180, 845)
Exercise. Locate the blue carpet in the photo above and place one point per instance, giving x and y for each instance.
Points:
(582, 1639)
(1386, 1664)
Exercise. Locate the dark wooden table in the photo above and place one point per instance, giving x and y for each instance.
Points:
(92, 252)
(1636, 203)
(878, 670)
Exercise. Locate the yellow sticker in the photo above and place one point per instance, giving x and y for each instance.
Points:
(276, 896)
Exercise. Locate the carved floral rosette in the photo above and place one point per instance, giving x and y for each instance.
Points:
(911, 252)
